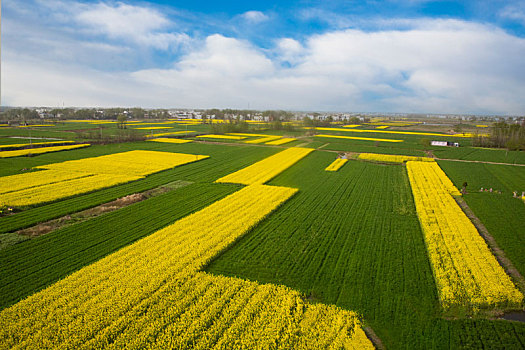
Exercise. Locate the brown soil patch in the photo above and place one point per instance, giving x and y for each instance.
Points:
(52, 225)
(373, 338)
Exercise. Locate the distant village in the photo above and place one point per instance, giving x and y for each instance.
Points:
(231, 114)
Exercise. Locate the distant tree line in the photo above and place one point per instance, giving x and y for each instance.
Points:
(503, 135)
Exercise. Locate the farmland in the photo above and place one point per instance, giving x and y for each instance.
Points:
(278, 239)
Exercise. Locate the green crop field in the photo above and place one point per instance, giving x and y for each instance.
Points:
(481, 154)
(350, 238)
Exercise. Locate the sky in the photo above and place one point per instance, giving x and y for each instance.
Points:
(413, 56)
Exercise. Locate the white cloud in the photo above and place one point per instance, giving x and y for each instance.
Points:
(289, 50)
(254, 16)
(514, 12)
(117, 21)
(441, 66)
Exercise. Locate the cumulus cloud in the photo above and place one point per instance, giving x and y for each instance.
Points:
(440, 66)
(254, 16)
(121, 21)
(514, 12)
(447, 66)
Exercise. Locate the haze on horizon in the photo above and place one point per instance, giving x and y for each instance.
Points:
(390, 56)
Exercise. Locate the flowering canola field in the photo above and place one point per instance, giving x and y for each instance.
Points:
(280, 141)
(267, 168)
(169, 133)
(41, 150)
(358, 138)
(20, 145)
(336, 164)
(394, 132)
(227, 137)
(466, 272)
(264, 139)
(392, 158)
(60, 180)
(168, 140)
(152, 294)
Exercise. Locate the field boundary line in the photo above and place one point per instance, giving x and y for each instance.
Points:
(372, 336)
(479, 161)
(505, 262)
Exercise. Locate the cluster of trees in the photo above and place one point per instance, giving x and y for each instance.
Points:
(227, 113)
(19, 114)
(83, 113)
(503, 135)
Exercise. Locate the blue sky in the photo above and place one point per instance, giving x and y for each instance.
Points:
(379, 56)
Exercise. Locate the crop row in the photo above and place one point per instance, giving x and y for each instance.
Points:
(466, 272)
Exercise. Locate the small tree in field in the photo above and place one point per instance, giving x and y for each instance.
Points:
(121, 121)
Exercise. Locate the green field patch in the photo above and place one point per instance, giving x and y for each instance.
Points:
(481, 154)
(352, 238)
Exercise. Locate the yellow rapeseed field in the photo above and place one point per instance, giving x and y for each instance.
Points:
(167, 140)
(40, 150)
(60, 180)
(393, 132)
(247, 134)
(19, 182)
(170, 133)
(358, 138)
(465, 270)
(152, 294)
(264, 139)
(267, 168)
(336, 164)
(136, 163)
(20, 145)
(66, 188)
(280, 141)
(35, 125)
(392, 158)
(227, 137)
(154, 127)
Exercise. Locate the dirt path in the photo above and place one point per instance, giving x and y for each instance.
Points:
(378, 344)
(479, 161)
(68, 220)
